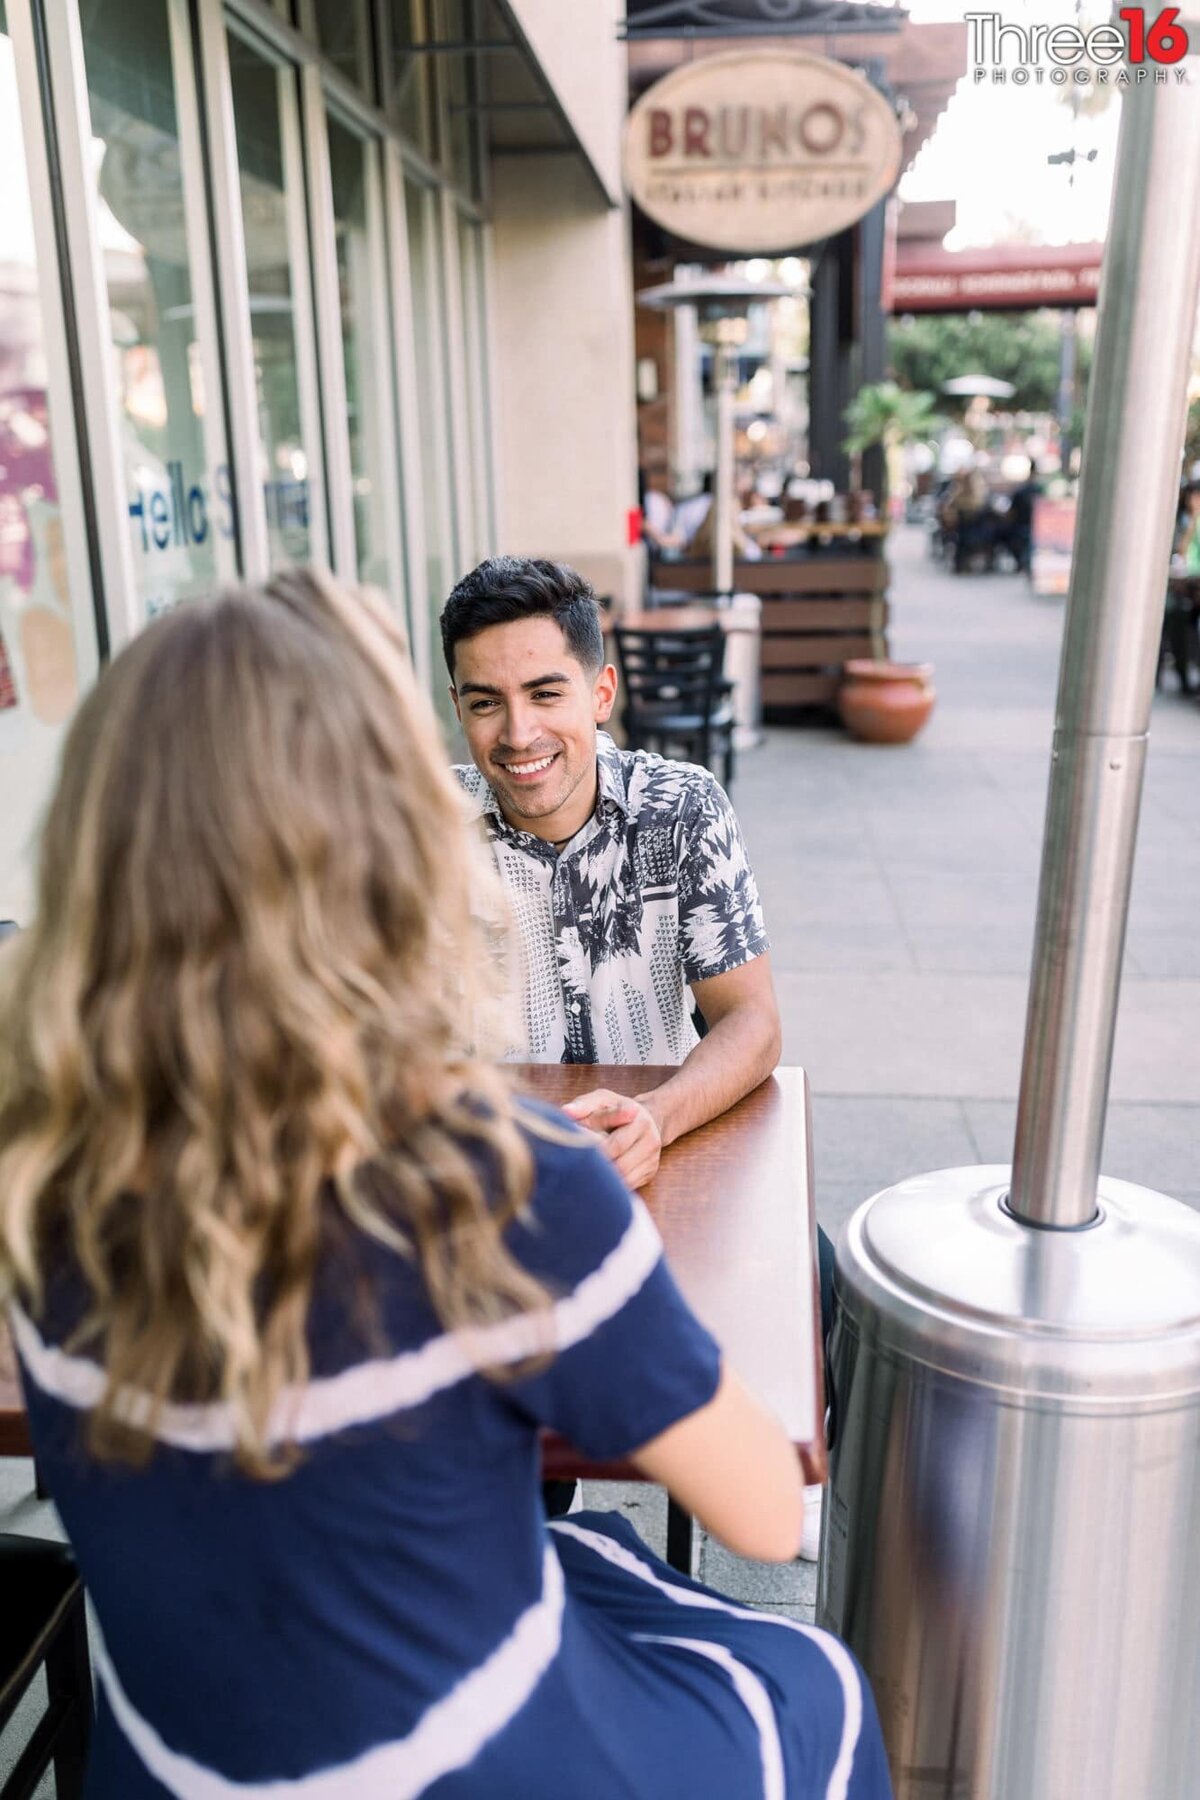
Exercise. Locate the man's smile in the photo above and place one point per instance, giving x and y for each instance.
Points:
(530, 769)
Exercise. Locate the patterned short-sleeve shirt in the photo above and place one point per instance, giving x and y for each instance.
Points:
(654, 892)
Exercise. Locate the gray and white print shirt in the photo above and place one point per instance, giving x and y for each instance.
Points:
(654, 892)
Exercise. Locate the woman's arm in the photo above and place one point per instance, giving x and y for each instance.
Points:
(731, 1465)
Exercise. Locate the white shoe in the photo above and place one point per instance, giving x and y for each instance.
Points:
(810, 1537)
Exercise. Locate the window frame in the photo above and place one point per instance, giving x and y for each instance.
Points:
(221, 22)
(433, 466)
(68, 425)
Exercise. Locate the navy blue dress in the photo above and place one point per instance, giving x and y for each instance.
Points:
(395, 1618)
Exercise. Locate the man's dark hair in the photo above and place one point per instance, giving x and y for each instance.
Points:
(506, 588)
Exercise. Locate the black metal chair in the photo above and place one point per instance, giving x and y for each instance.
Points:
(676, 694)
(43, 1625)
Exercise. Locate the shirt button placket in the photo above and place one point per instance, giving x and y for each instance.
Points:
(564, 918)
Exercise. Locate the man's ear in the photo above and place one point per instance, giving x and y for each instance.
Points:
(604, 694)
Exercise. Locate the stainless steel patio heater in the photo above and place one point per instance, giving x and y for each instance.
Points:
(1012, 1535)
(722, 305)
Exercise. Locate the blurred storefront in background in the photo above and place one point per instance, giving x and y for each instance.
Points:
(343, 281)
(799, 367)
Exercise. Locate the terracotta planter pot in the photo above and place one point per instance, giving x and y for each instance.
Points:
(885, 702)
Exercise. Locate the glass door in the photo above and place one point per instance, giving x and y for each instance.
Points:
(151, 200)
(49, 648)
(278, 268)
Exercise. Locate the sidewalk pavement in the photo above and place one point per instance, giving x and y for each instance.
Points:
(900, 887)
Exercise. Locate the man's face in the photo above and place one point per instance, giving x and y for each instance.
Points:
(529, 710)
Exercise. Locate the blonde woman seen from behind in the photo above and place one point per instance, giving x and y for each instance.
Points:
(296, 1281)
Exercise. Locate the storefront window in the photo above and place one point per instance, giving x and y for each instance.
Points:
(344, 34)
(408, 86)
(354, 170)
(432, 402)
(180, 493)
(459, 74)
(474, 341)
(276, 265)
(42, 658)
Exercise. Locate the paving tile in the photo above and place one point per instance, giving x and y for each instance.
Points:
(968, 842)
(773, 1584)
(797, 896)
(641, 1502)
(21, 1511)
(948, 1035)
(804, 1613)
(972, 949)
(812, 842)
(927, 1035)
(848, 944)
(971, 898)
(1157, 1052)
(1157, 1146)
(863, 1144)
(1161, 953)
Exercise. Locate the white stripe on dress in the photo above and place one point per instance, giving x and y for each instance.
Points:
(752, 1692)
(450, 1734)
(843, 1664)
(370, 1390)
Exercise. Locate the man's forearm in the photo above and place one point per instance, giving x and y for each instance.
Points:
(741, 1049)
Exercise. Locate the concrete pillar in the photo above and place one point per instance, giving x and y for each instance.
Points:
(563, 384)
(830, 373)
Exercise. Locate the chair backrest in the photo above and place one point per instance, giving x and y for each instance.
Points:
(680, 669)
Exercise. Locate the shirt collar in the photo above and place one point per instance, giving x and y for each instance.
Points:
(610, 785)
(611, 774)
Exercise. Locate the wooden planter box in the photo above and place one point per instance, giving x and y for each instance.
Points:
(817, 613)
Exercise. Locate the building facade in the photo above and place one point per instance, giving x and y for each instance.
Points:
(330, 281)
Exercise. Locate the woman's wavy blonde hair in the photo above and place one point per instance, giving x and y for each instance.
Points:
(254, 982)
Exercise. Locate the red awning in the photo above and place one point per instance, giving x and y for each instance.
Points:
(1004, 278)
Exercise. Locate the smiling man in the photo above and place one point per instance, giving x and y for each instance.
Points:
(627, 874)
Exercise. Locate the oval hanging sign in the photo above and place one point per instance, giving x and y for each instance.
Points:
(759, 152)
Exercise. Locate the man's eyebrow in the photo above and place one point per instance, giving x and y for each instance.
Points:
(481, 687)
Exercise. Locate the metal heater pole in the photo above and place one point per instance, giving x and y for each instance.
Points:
(723, 481)
(1012, 1542)
(1127, 503)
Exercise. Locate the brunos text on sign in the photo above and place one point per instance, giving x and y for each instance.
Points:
(758, 152)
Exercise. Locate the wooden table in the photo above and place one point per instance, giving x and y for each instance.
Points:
(820, 531)
(733, 1202)
(14, 1427)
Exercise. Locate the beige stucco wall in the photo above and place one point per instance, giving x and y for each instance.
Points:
(577, 48)
(563, 380)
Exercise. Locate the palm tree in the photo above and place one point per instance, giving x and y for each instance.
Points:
(885, 413)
